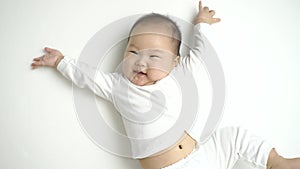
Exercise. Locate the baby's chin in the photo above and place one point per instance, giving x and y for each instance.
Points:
(139, 82)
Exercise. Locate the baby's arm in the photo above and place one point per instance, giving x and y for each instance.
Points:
(81, 74)
(201, 47)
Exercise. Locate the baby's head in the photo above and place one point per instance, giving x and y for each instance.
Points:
(152, 50)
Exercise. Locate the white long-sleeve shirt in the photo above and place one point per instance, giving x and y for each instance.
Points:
(147, 111)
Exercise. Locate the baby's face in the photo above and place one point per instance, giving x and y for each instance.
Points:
(148, 58)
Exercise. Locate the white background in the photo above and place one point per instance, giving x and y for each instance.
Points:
(257, 43)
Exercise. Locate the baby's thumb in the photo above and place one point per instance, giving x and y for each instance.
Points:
(47, 49)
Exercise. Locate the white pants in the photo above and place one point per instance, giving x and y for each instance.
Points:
(225, 147)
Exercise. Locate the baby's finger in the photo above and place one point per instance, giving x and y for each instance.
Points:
(200, 5)
(39, 63)
(206, 9)
(215, 20)
(49, 50)
(33, 65)
(38, 58)
(36, 64)
(212, 12)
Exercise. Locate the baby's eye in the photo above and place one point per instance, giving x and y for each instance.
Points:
(154, 56)
(133, 52)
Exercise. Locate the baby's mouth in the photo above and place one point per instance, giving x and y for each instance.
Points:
(140, 73)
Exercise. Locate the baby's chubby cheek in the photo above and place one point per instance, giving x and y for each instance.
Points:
(127, 72)
(156, 74)
(163, 67)
(127, 68)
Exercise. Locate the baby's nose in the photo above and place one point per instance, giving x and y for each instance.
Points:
(141, 61)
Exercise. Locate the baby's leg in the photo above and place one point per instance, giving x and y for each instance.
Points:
(228, 145)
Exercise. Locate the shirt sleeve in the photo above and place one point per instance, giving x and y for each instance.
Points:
(84, 76)
(193, 60)
(200, 50)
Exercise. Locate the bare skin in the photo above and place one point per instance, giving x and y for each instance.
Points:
(52, 57)
(275, 161)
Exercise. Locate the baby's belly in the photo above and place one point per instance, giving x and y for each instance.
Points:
(181, 149)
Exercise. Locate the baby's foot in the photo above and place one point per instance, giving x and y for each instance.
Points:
(293, 163)
(276, 161)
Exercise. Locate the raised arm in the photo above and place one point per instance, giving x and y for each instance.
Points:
(81, 74)
(201, 46)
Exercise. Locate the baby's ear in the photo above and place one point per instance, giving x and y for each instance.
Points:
(176, 61)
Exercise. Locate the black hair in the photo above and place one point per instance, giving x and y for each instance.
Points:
(161, 19)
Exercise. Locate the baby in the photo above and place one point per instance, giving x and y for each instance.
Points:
(151, 55)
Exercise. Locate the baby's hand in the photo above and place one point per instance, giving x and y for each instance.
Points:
(205, 15)
(51, 58)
